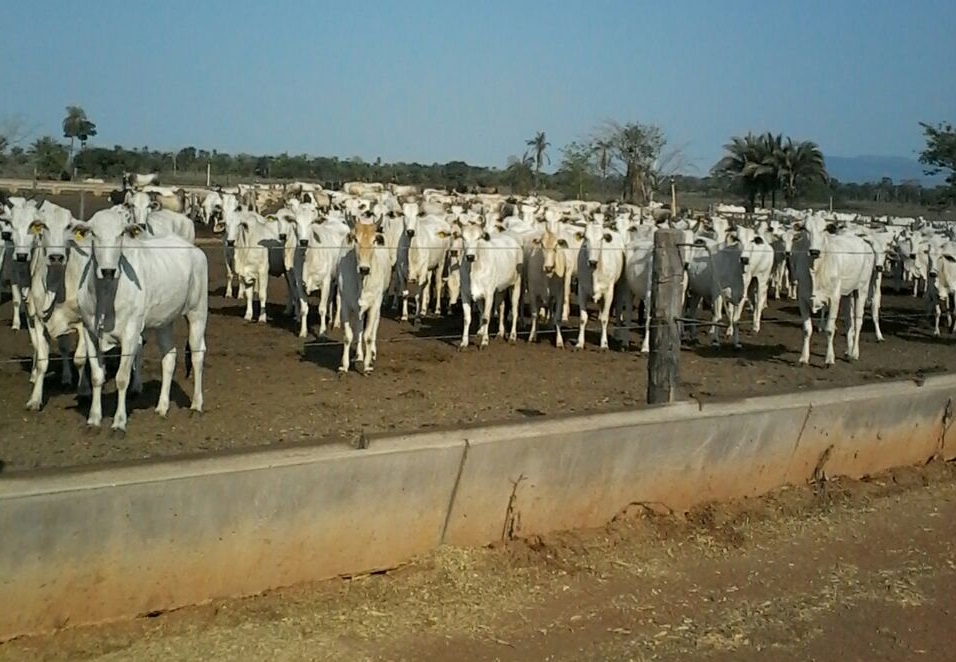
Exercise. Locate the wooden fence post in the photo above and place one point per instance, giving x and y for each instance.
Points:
(666, 278)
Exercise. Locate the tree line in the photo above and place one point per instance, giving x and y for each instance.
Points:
(629, 161)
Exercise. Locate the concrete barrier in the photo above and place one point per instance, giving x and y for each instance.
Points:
(90, 545)
(93, 546)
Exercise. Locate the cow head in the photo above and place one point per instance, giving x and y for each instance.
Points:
(471, 235)
(366, 238)
(23, 228)
(554, 257)
(411, 212)
(231, 218)
(303, 218)
(594, 238)
(141, 204)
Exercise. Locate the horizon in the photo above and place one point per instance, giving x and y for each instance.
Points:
(410, 84)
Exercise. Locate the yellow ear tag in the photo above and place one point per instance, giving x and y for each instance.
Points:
(78, 234)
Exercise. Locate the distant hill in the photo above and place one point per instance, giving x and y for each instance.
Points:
(863, 169)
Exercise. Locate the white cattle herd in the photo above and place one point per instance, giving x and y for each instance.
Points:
(134, 267)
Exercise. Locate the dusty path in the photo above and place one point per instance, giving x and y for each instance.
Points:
(847, 571)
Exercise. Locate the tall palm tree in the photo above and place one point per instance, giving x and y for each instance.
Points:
(768, 180)
(537, 148)
(744, 162)
(76, 125)
(800, 163)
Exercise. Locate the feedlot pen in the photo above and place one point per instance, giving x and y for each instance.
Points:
(264, 386)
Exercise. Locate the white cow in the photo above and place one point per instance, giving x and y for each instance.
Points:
(756, 257)
(715, 275)
(362, 278)
(137, 282)
(17, 222)
(260, 252)
(58, 267)
(638, 266)
(423, 249)
(829, 266)
(317, 257)
(600, 265)
(492, 265)
(158, 221)
(545, 267)
(941, 289)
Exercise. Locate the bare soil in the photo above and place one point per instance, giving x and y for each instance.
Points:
(266, 387)
(843, 570)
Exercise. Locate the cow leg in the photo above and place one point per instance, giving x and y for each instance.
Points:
(263, 284)
(324, 296)
(136, 381)
(566, 307)
(197, 348)
(336, 321)
(41, 353)
(717, 317)
(291, 289)
(17, 298)
(833, 311)
(404, 317)
(123, 374)
(346, 344)
(532, 334)
(876, 301)
(558, 314)
(167, 350)
(859, 308)
(426, 293)
(79, 362)
(762, 287)
(438, 287)
(735, 324)
(248, 294)
(806, 316)
(375, 317)
(487, 303)
(582, 318)
(605, 316)
(466, 323)
(228, 292)
(97, 377)
(359, 332)
(500, 300)
(66, 371)
(304, 315)
(515, 310)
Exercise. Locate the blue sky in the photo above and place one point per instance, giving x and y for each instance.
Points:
(438, 80)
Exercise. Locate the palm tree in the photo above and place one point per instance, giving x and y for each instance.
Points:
(77, 125)
(768, 180)
(518, 173)
(800, 163)
(537, 147)
(743, 162)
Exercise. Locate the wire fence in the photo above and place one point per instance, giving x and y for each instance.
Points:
(568, 329)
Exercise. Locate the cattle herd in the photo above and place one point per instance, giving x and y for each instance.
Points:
(135, 267)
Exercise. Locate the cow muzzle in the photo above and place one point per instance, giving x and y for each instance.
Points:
(230, 243)
(21, 257)
(303, 243)
(410, 233)
(592, 263)
(363, 270)
(56, 259)
(932, 273)
(549, 270)
(879, 268)
(6, 236)
(470, 258)
(745, 261)
(108, 274)
(912, 256)
(814, 253)
(787, 254)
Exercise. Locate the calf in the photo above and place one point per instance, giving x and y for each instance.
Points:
(426, 240)
(136, 282)
(756, 257)
(260, 252)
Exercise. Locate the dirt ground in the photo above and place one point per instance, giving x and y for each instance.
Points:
(845, 571)
(264, 386)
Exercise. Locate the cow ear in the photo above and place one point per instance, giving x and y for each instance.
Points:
(758, 239)
(272, 218)
(831, 228)
(798, 226)
(379, 239)
(536, 241)
(563, 243)
(134, 230)
(441, 234)
(949, 258)
(607, 237)
(37, 227)
(486, 236)
(154, 205)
